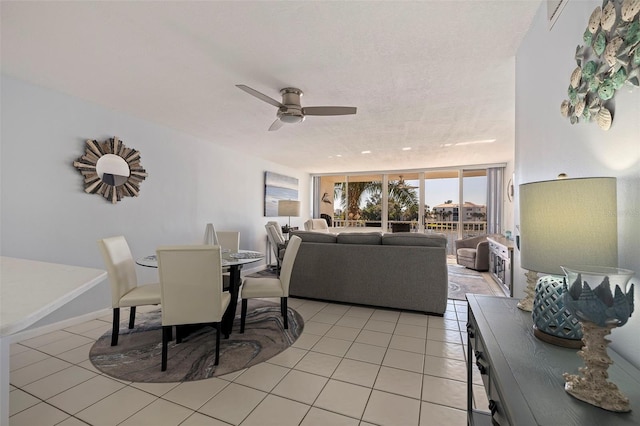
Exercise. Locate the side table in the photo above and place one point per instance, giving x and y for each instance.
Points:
(500, 261)
(523, 375)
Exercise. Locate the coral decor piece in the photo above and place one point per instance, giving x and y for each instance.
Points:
(609, 59)
(526, 304)
(591, 385)
(599, 312)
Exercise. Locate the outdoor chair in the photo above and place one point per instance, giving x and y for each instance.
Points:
(400, 227)
(327, 218)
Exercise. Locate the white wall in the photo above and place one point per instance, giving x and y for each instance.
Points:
(547, 144)
(47, 216)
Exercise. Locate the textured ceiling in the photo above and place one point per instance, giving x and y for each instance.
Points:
(423, 74)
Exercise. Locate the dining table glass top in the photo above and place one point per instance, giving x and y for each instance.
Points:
(229, 258)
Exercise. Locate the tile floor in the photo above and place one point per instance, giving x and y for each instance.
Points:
(352, 365)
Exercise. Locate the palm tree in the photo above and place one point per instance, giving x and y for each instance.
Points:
(353, 192)
(405, 198)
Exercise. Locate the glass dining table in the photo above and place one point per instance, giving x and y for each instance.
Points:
(234, 262)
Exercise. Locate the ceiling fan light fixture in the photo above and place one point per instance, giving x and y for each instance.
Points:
(291, 119)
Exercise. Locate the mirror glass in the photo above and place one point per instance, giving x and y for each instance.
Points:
(112, 169)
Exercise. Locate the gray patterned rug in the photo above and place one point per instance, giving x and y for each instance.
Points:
(463, 280)
(138, 354)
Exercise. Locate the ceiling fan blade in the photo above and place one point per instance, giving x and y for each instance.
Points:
(261, 96)
(276, 125)
(329, 110)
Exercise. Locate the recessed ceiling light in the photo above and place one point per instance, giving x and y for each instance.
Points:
(338, 155)
(406, 148)
(444, 145)
(366, 152)
(476, 142)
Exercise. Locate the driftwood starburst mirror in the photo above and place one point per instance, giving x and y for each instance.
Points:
(111, 169)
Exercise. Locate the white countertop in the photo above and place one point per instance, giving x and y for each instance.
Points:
(31, 289)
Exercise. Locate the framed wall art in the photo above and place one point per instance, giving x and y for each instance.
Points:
(278, 187)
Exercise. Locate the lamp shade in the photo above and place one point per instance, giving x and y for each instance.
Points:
(568, 222)
(288, 208)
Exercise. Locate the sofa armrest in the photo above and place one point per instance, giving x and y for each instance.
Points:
(472, 242)
(482, 256)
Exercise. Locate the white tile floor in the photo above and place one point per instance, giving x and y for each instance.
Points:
(352, 365)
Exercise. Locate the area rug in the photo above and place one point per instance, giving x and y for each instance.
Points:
(463, 280)
(137, 357)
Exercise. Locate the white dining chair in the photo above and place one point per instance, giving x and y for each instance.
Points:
(278, 228)
(272, 287)
(229, 240)
(191, 284)
(316, 225)
(125, 291)
(277, 243)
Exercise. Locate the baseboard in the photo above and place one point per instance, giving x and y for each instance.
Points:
(31, 333)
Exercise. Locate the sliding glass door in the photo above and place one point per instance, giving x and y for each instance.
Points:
(473, 213)
(403, 201)
(459, 203)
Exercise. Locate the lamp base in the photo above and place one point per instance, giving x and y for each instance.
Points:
(552, 322)
(557, 341)
(591, 385)
(526, 304)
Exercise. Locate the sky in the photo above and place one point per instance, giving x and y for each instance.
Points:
(437, 191)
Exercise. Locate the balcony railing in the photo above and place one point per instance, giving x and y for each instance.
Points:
(447, 227)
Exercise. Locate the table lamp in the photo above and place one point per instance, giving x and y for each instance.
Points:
(289, 208)
(564, 222)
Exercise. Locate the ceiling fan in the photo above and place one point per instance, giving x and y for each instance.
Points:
(290, 111)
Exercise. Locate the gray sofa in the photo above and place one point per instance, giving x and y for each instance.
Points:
(397, 270)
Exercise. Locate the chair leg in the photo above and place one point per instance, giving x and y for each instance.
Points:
(243, 315)
(116, 326)
(179, 333)
(166, 336)
(218, 327)
(283, 308)
(132, 316)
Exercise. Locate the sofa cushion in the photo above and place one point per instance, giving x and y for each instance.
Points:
(373, 238)
(414, 239)
(315, 237)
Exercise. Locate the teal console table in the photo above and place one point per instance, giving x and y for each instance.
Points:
(523, 375)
